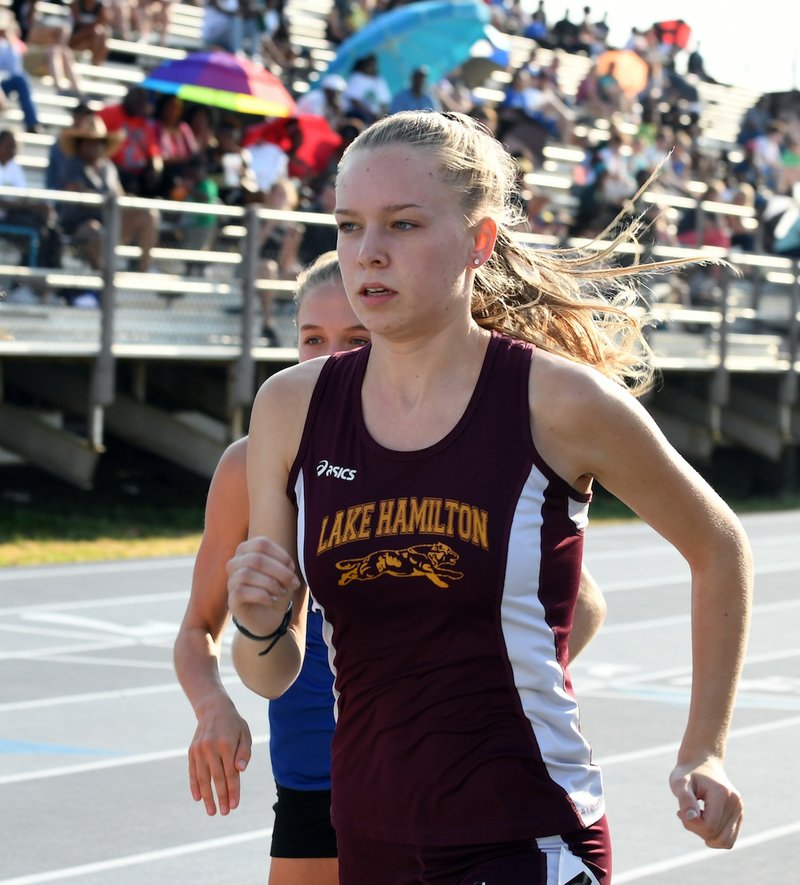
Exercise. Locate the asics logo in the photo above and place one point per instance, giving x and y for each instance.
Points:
(324, 468)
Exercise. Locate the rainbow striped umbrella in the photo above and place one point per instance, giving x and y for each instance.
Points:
(222, 80)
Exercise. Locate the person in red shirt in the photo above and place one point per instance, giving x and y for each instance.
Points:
(176, 141)
(138, 159)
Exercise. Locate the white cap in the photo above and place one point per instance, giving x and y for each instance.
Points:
(334, 82)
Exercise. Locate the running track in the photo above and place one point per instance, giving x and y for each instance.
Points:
(94, 729)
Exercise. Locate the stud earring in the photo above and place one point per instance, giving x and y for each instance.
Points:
(476, 261)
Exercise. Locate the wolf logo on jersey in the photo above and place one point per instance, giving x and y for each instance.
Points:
(431, 561)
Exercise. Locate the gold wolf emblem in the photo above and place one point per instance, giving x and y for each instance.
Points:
(431, 561)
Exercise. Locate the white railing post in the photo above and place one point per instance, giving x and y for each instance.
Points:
(241, 390)
(101, 390)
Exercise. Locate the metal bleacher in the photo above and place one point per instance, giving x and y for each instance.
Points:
(172, 359)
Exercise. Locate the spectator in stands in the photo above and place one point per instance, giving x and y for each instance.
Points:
(195, 185)
(679, 170)
(337, 29)
(308, 142)
(609, 91)
(486, 114)
(544, 105)
(782, 223)
(269, 162)
(223, 25)
(176, 141)
(537, 30)
(766, 155)
(89, 170)
(602, 30)
(19, 215)
(619, 183)
(198, 117)
(138, 158)
(272, 17)
(151, 16)
(512, 105)
(594, 101)
(357, 13)
(566, 35)
(790, 163)
(368, 95)
(454, 93)
(318, 238)
(91, 28)
(532, 113)
(54, 175)
(12, 76)
(755, 121)
(700, 227)
(348, 131)
(696, 65)
(416, 97)
(280, 54)
(47, 39)
(591, 214)
(588, 35)
(325, 101)
(743, 234)
(279, 250)
(272, 38)
(527, 201)
(229, 165)
(514, 19)
(121, 14)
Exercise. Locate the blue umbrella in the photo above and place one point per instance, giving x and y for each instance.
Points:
(437, 34)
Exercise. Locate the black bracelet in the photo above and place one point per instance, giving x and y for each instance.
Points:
(283, 628)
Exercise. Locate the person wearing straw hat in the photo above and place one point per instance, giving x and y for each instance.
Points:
(12, 75)
(89, 169)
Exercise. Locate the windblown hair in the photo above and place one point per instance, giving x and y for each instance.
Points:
(324, 269)
(568, 302)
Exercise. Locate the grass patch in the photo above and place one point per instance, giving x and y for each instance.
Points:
(31, 536)
(140, 507)
(101, 549)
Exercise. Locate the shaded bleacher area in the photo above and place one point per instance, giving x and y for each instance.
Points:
(172, 358)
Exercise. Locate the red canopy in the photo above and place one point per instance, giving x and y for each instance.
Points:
(673, 33)
(318, 143)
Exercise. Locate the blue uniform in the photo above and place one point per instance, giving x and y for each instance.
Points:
(301, 721)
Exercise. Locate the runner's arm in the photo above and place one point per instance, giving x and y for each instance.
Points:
(221, 745)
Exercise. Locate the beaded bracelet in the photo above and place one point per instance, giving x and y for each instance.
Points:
(274, 636)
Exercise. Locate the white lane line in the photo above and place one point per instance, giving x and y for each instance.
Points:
(102, 764)
(88, 697)
(98, 568)
(43, 654)
(46, 631)
(130, 860)
(745, 731)
(76, 605)
(615, 678)
(130, 663)
(684, 860)
(682, 577)
(138, 631)
(755, 700)
(761, 608)
(230, 678)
